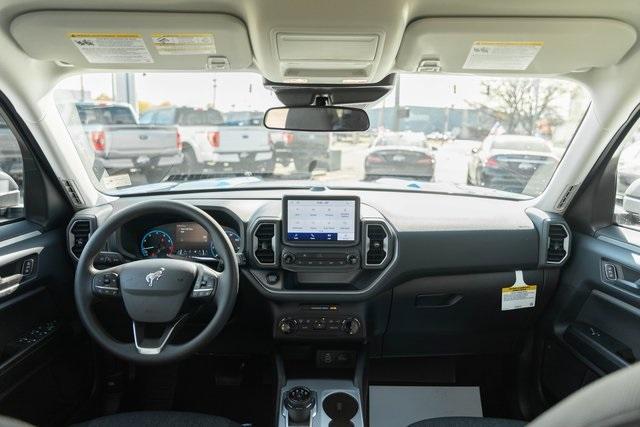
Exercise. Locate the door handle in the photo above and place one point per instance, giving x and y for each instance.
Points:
(9, 284)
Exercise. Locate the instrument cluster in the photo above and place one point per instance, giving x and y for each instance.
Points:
(182, 239)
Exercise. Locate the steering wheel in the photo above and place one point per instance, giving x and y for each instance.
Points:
(158, 293)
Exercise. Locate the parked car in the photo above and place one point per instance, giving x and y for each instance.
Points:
(234, 142)
(303, 148)
(400, 154)
(509, 162)
(120, 143)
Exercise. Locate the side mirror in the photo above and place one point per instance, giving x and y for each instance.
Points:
(317, 119)
(631, 199)
(9, 192)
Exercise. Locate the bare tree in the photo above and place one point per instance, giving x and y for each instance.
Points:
(520, 105)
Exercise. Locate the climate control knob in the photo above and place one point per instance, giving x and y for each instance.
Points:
(352, 259)
(287, 326)
(351, 326)
(288, 258)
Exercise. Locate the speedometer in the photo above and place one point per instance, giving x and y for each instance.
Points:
(156, 244)
(233, 236)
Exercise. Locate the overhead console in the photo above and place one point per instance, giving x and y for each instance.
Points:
(320, 243)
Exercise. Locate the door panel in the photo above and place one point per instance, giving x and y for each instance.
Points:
(45, 371)
(592, 327)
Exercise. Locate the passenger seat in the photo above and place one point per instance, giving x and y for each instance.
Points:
(612, 401)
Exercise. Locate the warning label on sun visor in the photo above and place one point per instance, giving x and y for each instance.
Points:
(111, 48)
(184, 44)
(498, 55)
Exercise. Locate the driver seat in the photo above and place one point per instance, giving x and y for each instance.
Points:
(143, 419)
(159, 418)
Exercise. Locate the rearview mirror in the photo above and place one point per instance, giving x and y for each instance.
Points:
(317, 119)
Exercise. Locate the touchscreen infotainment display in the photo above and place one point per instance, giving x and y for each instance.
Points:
(321, 220)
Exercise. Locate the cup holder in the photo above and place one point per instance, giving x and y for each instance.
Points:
(341, 408)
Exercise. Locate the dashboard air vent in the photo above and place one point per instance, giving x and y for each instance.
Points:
(264, 242)
(558, 243)
(376, 244)
(79, 235)
(72, 191)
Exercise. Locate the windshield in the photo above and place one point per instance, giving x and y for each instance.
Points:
(188, 131)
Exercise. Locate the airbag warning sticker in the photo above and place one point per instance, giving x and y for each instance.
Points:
(520, 295)
(501, 55)
(184, 44)
(112, 48)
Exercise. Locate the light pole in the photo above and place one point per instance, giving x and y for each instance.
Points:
(215, 87)
(396, 123)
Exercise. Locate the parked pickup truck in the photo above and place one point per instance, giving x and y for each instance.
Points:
(235, 142)
(303, 148)
(120, 143)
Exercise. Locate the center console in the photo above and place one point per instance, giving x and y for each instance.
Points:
(321, 233)
(320, 403)
(325, 244)
(309, 254)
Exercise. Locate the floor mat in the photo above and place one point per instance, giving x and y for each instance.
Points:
(396, 406)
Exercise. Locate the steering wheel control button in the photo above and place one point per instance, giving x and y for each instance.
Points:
(106, 284)
(108, 259)
(205, 286)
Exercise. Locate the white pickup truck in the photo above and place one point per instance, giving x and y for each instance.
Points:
(235, 142)
(120, 143)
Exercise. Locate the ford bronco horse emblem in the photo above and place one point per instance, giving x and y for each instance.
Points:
(153, 277)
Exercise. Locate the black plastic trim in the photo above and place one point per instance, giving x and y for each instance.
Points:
(45, 200)
(593, 205)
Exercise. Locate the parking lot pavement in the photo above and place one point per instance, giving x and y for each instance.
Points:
(352, 163)
(451, 161)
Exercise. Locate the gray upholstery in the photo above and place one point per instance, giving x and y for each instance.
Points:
(468, 422)
(12, 422)
(159, 418)
(612, 401)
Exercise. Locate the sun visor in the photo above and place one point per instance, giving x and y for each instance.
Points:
(134, 40)
(536, 46)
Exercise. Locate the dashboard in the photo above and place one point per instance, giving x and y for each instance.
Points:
(331, 264)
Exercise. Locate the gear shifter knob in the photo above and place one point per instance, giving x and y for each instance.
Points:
(299, 401)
